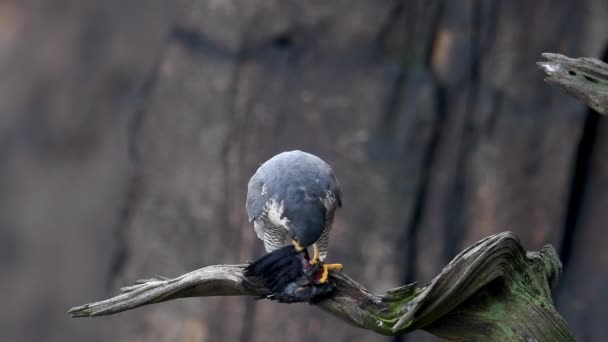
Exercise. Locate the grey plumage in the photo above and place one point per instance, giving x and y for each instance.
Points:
(293, 193)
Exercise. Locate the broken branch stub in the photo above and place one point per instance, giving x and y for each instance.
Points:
(583, 78)
(491, 291)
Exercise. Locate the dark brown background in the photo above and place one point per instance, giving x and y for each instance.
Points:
(128, 131)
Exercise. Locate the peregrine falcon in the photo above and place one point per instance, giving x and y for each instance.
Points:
(295, 194)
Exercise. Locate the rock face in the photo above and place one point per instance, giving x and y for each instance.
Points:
(129, 131)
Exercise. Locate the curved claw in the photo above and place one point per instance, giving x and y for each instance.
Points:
(326, 268)
(297, 245)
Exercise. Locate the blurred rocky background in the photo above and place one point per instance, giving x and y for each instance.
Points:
(129, 129)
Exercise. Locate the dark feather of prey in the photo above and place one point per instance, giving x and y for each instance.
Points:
(289, 277)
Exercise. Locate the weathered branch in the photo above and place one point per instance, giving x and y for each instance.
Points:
(583, 78)
(492, 291)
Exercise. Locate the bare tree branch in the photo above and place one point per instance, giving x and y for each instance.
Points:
(460, 303)
(583, 78)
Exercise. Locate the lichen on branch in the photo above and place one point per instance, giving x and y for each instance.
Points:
(493, 290)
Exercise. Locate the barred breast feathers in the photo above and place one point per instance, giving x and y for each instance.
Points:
(270, 227)
(330, 201)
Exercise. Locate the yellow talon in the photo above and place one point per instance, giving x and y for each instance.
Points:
(316, 254)
(324, 275)
(298, 247)
(337, 267)
(326, 268)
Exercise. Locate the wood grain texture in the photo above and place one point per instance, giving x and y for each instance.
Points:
(583, 78)
(491, 291)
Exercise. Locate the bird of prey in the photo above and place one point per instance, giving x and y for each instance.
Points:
(295, 194)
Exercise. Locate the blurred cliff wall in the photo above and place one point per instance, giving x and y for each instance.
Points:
(129, 129)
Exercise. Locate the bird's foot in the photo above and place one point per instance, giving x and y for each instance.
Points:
(326, 269)
(297, 245)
